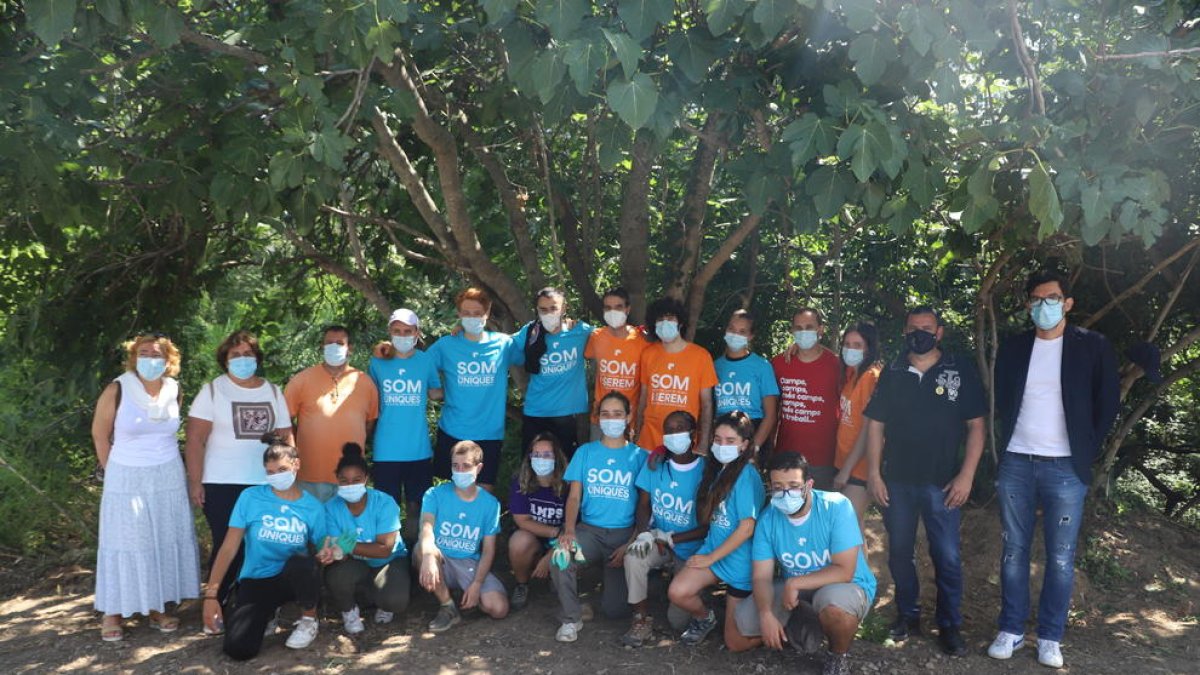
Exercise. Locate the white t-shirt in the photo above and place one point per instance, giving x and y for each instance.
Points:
(239, 416)
(1041, 427)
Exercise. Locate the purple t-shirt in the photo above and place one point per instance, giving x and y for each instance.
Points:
(543, 505)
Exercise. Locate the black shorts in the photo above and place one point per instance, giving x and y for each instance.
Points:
(414, 478)
(734, 592)
(856, 481)
(491, 457)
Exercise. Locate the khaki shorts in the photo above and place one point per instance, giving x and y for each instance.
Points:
(848, 597)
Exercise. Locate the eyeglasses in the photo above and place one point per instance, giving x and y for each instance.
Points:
(1049, 300)
(153, 335)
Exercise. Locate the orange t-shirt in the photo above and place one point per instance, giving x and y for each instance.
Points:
(328, 415)
(617, 359)
(856, 393)
(672, 382)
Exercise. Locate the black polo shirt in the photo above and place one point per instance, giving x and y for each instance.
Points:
(925, 417)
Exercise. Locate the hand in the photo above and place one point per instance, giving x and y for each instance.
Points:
(470, 596)
(958, 491)
(792, 352)
(383, 350)
(214, 619)
(566, 541)
(791, 595)
(617, 559)
(773, 634)
(431, 573)
(542, 569)
(196, 492)
(665, 540)
(640, 546)
(840, 480)
(878, 490)
(700, 562)
(568, 323)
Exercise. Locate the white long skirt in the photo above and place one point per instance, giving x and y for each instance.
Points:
(147, 554)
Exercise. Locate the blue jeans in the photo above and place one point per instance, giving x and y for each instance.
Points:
(1023, 485)
(909, 503)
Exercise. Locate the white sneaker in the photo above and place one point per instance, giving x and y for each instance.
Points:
(352, 621)
(303, 634)
(568, 632)
(383, 616)
(1049, 654)
(1005, 644)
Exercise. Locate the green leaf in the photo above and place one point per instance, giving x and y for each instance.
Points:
(50, 19)
(828, 188)
(866, 146)
(1043, 201)
(978, 212)
(693, 52)
(382, 39)
(773, 15)
(899, 212)
(548, 70)
(641, 16)
(760, 189)
(722, 14)
(628, 52)
(871, 54)
(164, 25)
(286, 171)
(498, 9)
(860, 14)
(919, 22)
(397, 10)
(873, 196)
(916, 181)
(562, 17)
(979, 185)
(810, 136)
(612, 139)
(584, 60)
(1094, 212)
(112, 11)
(633, 99)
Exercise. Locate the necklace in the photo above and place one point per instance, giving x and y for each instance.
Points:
(333, 395)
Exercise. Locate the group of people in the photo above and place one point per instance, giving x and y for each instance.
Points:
(739, 472)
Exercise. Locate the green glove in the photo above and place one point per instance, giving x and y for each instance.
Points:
(346, 541)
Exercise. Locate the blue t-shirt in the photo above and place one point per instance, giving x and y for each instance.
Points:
(402, 432)
(608, 476)
(742, 385)
(476, 384)
(831, 527)
(672, 489)
(382, 515)
(460, 526)
(744, 501)
(276, 529)
(561, 388)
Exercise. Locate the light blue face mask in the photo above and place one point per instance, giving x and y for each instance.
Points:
(335, 354)
(243, 367)
(805, 339)
(736, 342)
(542, 466)
(852, 357)
(151, 368)
(612, 428)
(678, 443)
(462, 479)
(352, 493)
(788, 501)
(404, 343)
(724, 453)
(666, 331)
(1046, 314)
(281, 481)
(472, 324)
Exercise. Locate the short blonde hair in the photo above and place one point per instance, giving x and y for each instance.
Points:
(468, 449)
(169, 350)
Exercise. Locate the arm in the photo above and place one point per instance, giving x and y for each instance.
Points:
(840, 570)
(959, 490)
(526, 522)
(856, 454)
(431, 573)
(102, 423)
(380, 548)
(706, 419)
(471, 593)
(763, 575)
(640, 418)
(875, 482)
(198, 431)
(571, 515)
(229, 548)
(740, 534)
(641, 519)
(436, 394)
(1107, 401)
(766, 429)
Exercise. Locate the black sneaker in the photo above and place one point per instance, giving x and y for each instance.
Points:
(905, 626)
(698, 629)
(951, 641)
(519, 598)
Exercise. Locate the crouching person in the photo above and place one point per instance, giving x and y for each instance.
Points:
(826, 589)
(459, 524)
(372, 567)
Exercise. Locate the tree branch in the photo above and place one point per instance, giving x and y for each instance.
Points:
(1036, 101)
(358, 282)
(1137, 287)
(1168, 54)
(212, 44)
(695, 205)
(724, 252)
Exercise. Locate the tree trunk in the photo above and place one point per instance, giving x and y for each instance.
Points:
(634, 226)
(695, 300)
(695, 206)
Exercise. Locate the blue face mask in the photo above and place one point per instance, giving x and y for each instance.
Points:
(352, 493)
(1046, 314)
(462, 479)
(335, 354)
(736, 342)
(852, 357)
(472, 324)
(281, 481)
(404, 343)
(788, 501)
(678, 443)
(243, 367)
(667, 331)
(724, 453)
(151, 368)
(612, 428)
(805, 339)
(542, 466)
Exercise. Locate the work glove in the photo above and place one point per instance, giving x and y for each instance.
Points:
(641, 545)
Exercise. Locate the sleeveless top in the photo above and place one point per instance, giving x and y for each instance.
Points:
(145, 429)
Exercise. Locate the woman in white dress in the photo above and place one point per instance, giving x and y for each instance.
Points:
(147, 556)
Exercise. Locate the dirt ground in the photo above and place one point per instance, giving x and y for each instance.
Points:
(1135, 612)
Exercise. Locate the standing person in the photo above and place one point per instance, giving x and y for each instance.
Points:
(373, 566)
(1057, 394)
(809, 377)
(747, 381)
(731, 496)
(675, 375)
(407, 379)
(332, 403)
(280, 525)
(860, 356)
(147, 554)
(226, 423)
(616, 350)
(537, 502)
(926, 403)
(474, 365)
(600, 509)
(667, 530)
(553, 355)
(459, 524)
(827, 587)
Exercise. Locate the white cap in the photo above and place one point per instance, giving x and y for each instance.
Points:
(405, 316)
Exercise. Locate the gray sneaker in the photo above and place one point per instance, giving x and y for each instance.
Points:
(447, 617)
(836, 664)
(641, 630)
(520, 597)
(698, 629)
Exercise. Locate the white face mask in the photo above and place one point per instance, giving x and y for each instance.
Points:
(678, 443)
(281, 481)
(667, 331)
(852, 357)
(335, 354)
(615, 318)
(612, 428)
(551, 322)
(472, 324)
(404, 343)
(724, 453)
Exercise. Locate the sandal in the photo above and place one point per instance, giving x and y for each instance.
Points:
(111, 632)
(163, 623)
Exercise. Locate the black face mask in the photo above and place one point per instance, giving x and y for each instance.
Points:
(920, 341)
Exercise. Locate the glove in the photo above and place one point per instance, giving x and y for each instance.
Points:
(640, 546)
(665, 537)
(561, 557)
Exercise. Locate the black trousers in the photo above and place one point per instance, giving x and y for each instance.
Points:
(565, 428)
(254, 602)
(219, 499)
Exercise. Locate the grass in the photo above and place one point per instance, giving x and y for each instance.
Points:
(874, 628)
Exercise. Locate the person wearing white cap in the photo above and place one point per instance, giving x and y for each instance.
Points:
(407, 379)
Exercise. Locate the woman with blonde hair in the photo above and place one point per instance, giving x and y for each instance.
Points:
(147, 554)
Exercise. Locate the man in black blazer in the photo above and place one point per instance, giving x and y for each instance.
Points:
(1057, 394)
